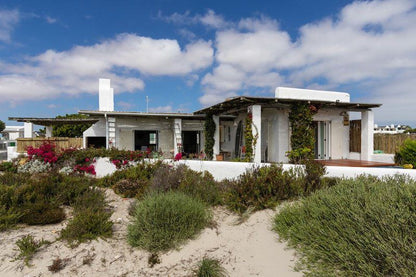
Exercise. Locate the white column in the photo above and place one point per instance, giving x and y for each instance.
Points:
(256, 130)
(48, 131)
(367, 135)
(177, 135)
(28, 127)
(112, 141)
(216, 149)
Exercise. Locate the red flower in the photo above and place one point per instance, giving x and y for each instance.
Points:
(178, 157)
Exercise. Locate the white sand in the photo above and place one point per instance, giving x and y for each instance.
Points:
(247, 249)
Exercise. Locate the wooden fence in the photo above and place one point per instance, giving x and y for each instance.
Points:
(355, 136)
(390, 143)
(60, 143)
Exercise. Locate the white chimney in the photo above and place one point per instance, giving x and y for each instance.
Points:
(105, 95)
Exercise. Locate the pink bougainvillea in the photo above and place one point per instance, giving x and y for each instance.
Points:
(45, 152)
(178, 157)
(90, 169)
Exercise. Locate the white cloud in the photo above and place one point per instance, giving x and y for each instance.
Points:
(8, 21)
(369, 45)
(50, 20)
(78, 69)
(161, 109)
(209, 19)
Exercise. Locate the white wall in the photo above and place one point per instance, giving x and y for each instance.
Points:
(222, 170)
(339, 135)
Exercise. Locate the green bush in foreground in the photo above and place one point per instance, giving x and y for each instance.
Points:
(91, 219)
(361, 227)
(209, 267)
(163, 221)
(262, 188)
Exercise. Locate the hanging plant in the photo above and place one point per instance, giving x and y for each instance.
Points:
(302, 139)
(209, 128)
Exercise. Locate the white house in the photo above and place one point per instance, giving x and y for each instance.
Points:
(174, 132)
(390, 129)
(270, 118)
(168, 133)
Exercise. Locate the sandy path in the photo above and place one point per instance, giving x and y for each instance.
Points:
(247, 249)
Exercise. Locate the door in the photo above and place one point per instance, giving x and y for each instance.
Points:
(190, 142)
(144, 140)
(322, 140)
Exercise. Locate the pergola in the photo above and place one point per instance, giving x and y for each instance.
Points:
(48, 123)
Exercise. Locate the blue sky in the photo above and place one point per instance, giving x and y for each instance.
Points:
(186, 55)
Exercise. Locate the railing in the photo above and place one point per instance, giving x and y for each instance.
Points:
(59, 142)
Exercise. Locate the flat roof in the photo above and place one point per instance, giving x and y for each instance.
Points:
(238, 104)
(144, 114)
(47, 121)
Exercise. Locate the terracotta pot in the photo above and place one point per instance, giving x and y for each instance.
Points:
(220, 157)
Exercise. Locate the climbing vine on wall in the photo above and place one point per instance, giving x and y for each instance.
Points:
(209, 128)
(248, 137)
(302, 139)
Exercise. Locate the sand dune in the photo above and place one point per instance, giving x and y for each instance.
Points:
(247, 249)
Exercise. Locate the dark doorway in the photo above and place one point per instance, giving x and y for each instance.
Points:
(238, 140)
(96, 142)
(144, 140)
(190, 142)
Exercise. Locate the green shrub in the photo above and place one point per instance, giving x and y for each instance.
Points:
(209, 267)
(41, 213)
(8, 217)
(130, 189)
(27, 247)
(37, 199)
(361, 227)
(199, 185)
(262, 188)
(313, 175)
(141, 173)
(163, 221)
(91, 219)
(406, 153)
(8, 167)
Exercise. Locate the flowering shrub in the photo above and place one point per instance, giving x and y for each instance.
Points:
(120, 163)
(90, 169)
(66, 170)
(45, 152)
(34, 166)
(178, 156)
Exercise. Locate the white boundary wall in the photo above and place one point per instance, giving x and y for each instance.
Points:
(222, 170)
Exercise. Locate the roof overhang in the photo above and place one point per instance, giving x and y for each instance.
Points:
(45, 121)
(190, 116)
(239, 104)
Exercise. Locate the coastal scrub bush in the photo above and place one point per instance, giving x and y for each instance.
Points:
(209, 267)
(91, 218)
(181, 178)
(164, 221)
(406, 153)
(38, 199)
(360, 227)
(8, 167)
(28, 246)
(262, 188)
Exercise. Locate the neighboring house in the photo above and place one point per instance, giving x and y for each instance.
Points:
(390, 129)
(171, 133)
(8, 140)
(12, 132)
